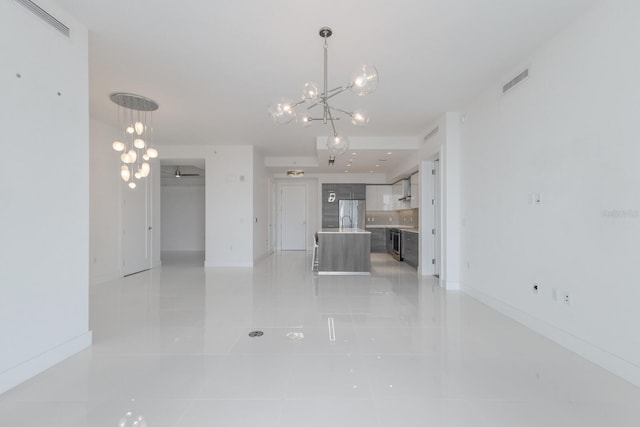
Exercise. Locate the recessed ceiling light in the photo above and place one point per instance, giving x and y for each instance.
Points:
(346, 171)
(353, 154)
(349, 165)
(389, 153)
(377, 166)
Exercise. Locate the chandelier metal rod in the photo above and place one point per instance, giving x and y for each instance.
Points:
(333, 126)
(323, 100)
(342, 111)
(326, 78)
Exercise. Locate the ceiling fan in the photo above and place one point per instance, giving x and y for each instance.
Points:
(179, 174)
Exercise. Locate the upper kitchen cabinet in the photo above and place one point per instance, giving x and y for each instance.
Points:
(415, 190)
(351, 191)
(400, 194)
(379, 198)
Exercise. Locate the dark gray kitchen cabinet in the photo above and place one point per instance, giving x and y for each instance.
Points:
(352, 191)
(330, 214)
(409, 247)
(359, 191)
(378, 239)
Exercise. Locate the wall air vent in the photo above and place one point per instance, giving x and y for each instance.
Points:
(433, 132)
(45, 16)
(515, 81)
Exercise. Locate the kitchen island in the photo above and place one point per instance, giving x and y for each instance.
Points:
(344, 251)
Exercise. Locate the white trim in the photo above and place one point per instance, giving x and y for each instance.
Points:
(213, 264)
(42, 362)
(260, 258)
(451, 286)
(599, 356)
(104, 278)
(344, 273)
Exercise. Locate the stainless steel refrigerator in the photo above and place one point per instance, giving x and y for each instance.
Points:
(352, 213)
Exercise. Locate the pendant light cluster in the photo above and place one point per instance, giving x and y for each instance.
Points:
(136, 144)
(362, 82)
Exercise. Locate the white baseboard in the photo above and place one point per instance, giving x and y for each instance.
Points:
(212, 264)
(260, 258)
(451, 286)
(600, 357)
(42, 362)
(104, 278)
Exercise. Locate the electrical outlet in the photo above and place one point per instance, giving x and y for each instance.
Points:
(566, 298)
(535, 288)
(535, 198)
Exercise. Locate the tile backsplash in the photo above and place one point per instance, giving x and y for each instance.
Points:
(408, 217)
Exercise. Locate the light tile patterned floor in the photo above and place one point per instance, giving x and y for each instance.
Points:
(171, 348)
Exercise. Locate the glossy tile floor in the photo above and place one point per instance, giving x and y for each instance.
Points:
(171, 348)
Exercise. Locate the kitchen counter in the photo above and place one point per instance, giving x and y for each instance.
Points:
(343, 230)
(344, 251)
(409, 228)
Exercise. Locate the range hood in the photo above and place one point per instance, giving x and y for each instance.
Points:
(406, 190)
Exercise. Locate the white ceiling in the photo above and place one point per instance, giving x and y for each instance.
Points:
(214, 66)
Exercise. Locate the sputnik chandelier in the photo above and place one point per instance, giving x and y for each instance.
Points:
(362, 82)
(136, 144)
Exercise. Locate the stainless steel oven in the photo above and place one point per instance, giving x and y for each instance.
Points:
(394, 235)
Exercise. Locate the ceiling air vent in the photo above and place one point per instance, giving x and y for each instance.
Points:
(45, 16)
(515, 81)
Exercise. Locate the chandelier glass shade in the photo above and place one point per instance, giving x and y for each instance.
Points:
(362, 82)
(135, 119)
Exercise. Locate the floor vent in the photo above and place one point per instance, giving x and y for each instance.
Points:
(45, 16)
(515, 81)
(433, 132)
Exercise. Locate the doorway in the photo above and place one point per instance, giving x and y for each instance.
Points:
(183, 211)
(293, 217)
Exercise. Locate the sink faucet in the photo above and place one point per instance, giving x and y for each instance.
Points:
(350, 221)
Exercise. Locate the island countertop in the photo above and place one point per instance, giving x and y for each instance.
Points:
(344, 230)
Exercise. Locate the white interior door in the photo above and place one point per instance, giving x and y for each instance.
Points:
(293, 217)
(136, 231)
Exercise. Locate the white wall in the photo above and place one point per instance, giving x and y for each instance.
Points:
(229, 200)
(105, 236)
(445, 146)
(569, 133)
(44, 220)
(183, 217)
(260, 207)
